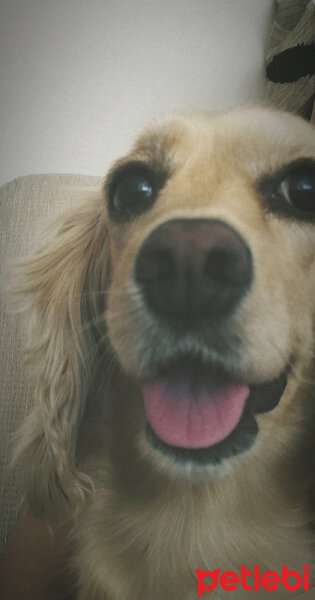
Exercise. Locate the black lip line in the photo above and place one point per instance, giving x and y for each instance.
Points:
(262, 398)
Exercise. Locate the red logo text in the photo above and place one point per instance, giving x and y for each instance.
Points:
(253, 580)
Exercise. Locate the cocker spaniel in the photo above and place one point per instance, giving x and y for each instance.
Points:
(171, 342)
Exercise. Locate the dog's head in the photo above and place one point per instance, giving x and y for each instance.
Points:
(197, 266)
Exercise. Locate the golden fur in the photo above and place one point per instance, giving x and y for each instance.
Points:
(143, 524)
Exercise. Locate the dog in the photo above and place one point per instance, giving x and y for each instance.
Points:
(171, 346)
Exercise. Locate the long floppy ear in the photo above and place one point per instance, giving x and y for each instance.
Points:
(63, 292)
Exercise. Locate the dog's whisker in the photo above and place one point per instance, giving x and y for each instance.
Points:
(292, 367)
(94, 321)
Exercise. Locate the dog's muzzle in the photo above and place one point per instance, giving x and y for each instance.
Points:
(192, 275)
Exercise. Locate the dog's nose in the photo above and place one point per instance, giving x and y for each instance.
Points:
(190, 270)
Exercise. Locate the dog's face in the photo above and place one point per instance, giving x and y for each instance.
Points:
(202, 261)
(211, 296)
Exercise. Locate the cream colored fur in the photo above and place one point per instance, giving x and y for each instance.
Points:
(142, 525)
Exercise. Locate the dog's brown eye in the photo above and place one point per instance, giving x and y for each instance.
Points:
(291, 192)
(132, 192)
(298, 190)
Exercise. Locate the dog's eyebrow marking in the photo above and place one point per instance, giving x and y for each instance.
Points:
(163, 143)
(305, 161)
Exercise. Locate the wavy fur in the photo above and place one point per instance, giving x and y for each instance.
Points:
(63, 291)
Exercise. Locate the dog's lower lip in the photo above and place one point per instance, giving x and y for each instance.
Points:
(260, 398)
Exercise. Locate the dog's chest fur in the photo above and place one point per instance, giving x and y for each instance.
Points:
(148, 548)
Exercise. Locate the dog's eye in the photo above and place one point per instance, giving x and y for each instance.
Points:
(133, 189)
(132, 192)
(293, 192)
(298, 190)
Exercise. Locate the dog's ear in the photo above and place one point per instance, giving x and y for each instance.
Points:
(63, 292)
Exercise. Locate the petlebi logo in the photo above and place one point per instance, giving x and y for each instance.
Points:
(253, 580)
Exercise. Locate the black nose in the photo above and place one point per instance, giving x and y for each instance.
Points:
(190, 270)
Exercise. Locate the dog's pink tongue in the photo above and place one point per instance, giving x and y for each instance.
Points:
(193, 417)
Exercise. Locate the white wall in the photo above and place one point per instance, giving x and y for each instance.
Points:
(79, 77)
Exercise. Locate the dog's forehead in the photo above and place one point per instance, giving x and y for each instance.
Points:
(262, 139)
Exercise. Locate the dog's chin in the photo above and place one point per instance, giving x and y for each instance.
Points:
(199, 415)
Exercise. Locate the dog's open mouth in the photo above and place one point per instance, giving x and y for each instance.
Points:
(197, 412)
